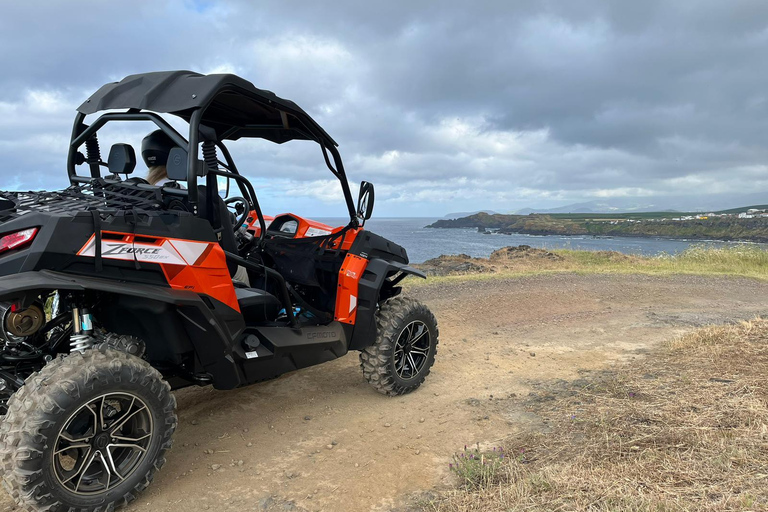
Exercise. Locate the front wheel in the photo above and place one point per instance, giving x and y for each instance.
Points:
(87, 432)
(405, 347)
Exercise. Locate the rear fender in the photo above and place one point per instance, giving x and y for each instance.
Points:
(202, 324)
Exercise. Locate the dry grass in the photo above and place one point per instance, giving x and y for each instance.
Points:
(742, 260)
(684, 429)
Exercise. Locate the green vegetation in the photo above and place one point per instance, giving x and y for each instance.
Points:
(647, 224)
(744, 261)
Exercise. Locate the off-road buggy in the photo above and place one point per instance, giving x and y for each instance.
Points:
(113, 292)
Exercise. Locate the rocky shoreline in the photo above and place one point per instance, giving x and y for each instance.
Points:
(457, 264)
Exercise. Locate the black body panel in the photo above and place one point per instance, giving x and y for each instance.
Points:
(369, 245)
(291, 349)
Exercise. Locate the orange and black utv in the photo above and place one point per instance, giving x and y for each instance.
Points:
(113, 291)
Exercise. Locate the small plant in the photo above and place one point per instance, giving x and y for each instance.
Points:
(478, 469)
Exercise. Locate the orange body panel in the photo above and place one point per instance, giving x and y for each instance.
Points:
(252, 222)
(191, 265)
(346, 294)
(349, 237)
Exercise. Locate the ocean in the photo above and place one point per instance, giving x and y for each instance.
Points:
(423, 244)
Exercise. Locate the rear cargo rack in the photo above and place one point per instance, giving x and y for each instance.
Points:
(106, 196)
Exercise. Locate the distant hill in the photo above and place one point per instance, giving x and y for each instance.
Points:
(745, 208)
(614, 206)
(691, 226)
(458, 215)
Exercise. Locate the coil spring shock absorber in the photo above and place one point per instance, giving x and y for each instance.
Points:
(209, 155)
(82, 328)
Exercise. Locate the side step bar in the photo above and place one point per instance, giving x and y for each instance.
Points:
(277, 350)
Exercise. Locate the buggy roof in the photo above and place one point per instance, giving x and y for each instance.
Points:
(234, 107)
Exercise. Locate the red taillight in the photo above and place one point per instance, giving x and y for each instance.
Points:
(17, 239)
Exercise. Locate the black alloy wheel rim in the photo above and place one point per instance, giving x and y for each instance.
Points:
(412, 349)
(102, 443)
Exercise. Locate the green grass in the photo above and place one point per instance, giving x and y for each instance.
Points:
(743, 261)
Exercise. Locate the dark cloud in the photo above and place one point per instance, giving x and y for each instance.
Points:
(445, 105)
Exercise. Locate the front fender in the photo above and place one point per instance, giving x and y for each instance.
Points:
(377, 284)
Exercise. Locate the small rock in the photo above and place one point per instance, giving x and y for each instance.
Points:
(357, 465)
(240, 463)
(387, 425)
(271, 427)
(403, 427)
(533, 354)
(334, 443)
(193, 422)
(329, 446)
(249, 445)
(307, 418)
(421, 420)
(418, 436)
(215, 467)
(245, 430)
(437, 394)
(418, 452)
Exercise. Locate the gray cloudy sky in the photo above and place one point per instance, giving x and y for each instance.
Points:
(444, 105)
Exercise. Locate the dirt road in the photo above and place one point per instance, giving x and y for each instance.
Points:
(322, 439)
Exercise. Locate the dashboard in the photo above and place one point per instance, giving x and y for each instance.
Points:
(288, 225)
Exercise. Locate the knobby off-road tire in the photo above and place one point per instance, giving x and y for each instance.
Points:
(405, 347)
(64, 398)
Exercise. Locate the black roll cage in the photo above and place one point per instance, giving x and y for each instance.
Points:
(85, 134)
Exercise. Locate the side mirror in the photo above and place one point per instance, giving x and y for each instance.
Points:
(223, 186)
(177, 165)
(365, 201)
(122, 159)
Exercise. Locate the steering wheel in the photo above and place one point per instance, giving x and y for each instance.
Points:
(240, 207)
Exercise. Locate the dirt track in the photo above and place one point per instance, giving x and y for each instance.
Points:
(322, 439)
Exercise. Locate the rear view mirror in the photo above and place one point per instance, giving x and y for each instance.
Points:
(365, 201)
(122, 159)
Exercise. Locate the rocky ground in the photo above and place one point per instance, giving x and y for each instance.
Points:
(322, 439)
(501, 259)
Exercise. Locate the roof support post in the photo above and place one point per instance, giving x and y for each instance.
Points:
(194, 137)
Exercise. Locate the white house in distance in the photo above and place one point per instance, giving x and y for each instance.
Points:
(752, 213)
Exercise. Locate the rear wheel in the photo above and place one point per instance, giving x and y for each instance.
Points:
(405, 347)
(87, 432)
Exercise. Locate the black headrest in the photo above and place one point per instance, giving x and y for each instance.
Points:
(122, 159)
(176, 168)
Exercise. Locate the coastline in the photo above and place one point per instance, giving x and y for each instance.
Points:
(542, 233)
